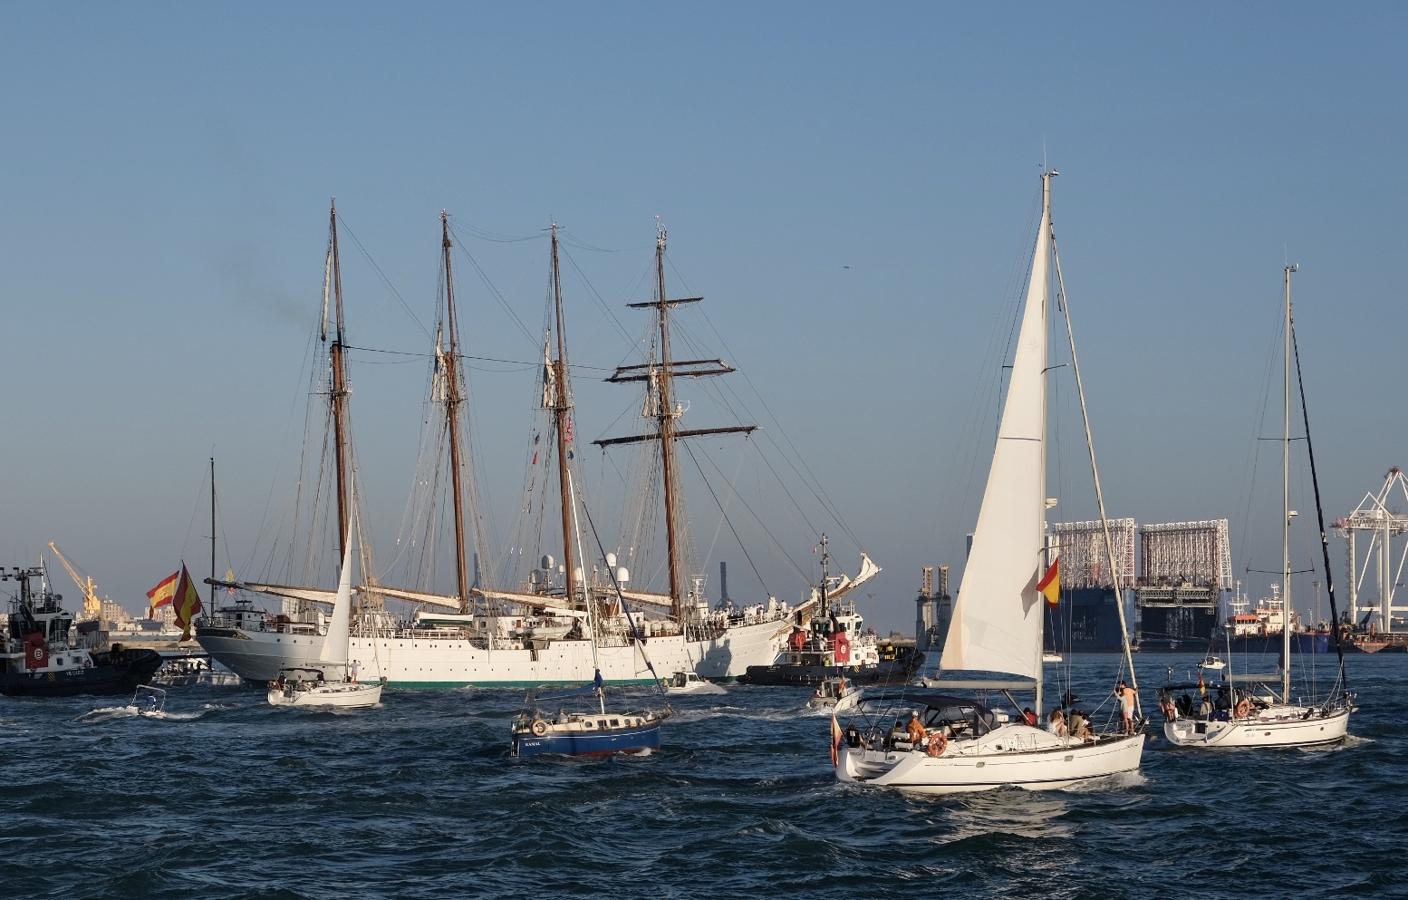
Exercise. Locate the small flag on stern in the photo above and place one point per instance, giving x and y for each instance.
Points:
(1050, 584)
(835, 741)
(163, 593)
(186, 603)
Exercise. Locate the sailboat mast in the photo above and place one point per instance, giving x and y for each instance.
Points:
(1286, 502)
(1094, 469)
(338, 396)
(212, 535)
(571, 504)
(453, 399)
(562, 420)
(665, 420)
(1319, 512)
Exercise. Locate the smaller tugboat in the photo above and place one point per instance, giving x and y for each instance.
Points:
(38, 658)
(837, 643)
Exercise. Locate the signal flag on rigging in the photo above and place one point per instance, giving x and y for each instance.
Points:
(1050, 584)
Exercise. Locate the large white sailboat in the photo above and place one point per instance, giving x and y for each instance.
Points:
(486, 636)
(1258, 710)
(961, 743)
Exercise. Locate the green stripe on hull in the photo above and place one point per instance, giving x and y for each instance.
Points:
(451, 685)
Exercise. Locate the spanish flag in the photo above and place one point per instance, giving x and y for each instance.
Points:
(187, 603)
(163, 593)
(1050, 584)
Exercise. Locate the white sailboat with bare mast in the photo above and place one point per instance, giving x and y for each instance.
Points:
(959, 743)
(1258, 715)
(332, 681)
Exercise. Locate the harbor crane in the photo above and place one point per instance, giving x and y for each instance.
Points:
(92, 603)
(1384, 524)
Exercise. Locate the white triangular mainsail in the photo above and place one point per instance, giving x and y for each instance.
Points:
(334, 650)
(997, 621)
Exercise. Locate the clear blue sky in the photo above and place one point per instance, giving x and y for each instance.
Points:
(853, 189)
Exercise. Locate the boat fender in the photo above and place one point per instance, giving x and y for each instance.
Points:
(938, 743)
(1244, 708)
(540, 727)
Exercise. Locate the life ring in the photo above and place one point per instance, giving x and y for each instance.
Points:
(88, 662)
(1244, 708)
(540, 727)
(938, 743)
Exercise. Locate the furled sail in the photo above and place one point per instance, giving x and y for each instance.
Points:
(997, 619)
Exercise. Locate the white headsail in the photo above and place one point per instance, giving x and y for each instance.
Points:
(997, 619)
(334, 651)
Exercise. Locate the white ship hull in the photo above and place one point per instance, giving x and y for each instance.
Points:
(1280, 726)
(456, 662)
(1010, 756)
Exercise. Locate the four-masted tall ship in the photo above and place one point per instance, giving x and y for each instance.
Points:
(535, 632)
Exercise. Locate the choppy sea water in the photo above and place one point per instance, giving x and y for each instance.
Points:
(229, 797)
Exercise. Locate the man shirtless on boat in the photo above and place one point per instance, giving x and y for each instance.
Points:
(1125, 694)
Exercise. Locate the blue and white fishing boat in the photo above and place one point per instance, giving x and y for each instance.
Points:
(594, 732)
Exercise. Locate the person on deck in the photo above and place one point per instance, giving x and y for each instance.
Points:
(915, 731)
(1056, 722)
(1029, 717)
(1125, 694)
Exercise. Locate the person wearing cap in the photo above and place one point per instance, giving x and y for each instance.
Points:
(916, 729)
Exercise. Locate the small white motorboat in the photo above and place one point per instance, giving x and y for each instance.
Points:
(1212, 664)
(148, 701)
(690, 683)
(836, 694)
(1050, 657)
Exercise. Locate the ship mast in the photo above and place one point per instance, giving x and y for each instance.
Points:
(560, 401)
(337, 398)
(660, 378)
(453, 400)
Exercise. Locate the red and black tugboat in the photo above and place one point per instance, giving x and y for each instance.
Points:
(38, 658)
(837, 644)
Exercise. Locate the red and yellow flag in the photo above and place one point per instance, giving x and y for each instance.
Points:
(1050, 584)
(187, 603)
(163, 593)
